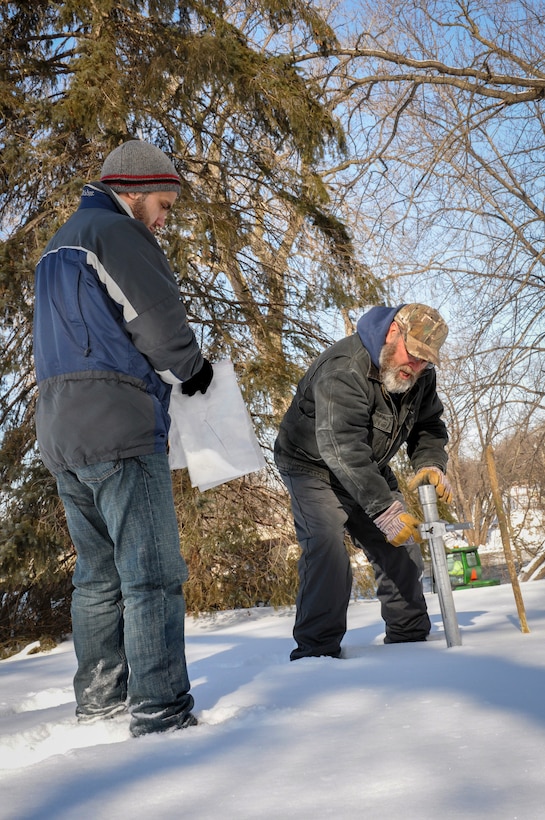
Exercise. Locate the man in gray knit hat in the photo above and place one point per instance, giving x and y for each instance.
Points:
(111, 340)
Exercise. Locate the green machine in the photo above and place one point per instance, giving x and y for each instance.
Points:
(465, 570)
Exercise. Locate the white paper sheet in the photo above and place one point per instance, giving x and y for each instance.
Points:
(213, 435)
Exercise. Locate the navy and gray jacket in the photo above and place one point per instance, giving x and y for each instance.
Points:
(342, 421)
(110, 338)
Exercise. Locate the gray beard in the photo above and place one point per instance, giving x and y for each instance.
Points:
(389, 374)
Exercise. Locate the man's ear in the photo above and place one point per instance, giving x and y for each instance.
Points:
(128, 197)
(392, 333)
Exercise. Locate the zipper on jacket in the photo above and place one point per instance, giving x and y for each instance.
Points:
(396, 430)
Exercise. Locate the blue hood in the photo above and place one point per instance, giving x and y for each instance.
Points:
(372, 328)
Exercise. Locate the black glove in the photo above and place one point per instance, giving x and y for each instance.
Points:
(199, 381)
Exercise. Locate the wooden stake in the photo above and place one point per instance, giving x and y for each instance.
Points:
(504, 532)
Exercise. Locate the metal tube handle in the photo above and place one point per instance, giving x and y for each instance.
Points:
(432, 530)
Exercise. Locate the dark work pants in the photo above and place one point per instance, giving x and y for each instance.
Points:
(323, 513)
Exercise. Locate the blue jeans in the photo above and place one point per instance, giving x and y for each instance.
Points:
(127, 607)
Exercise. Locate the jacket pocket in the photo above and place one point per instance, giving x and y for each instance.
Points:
(383, 422)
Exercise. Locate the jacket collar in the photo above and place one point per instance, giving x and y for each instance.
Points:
(99, 195)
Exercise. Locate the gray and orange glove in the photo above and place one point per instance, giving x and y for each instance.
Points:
(435, 477)
(397, 525)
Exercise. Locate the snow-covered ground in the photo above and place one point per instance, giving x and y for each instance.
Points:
(415, 731)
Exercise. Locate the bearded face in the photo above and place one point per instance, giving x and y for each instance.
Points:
(139, 210)
(152, 208)
(396, 377)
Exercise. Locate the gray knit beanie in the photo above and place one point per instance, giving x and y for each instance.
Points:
(139, 167)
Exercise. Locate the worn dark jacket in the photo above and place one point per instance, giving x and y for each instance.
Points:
(110, 338)
(343, 425)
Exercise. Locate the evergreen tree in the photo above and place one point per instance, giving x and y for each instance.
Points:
(257, 247)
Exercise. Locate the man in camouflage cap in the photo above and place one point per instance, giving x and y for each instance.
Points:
(358, 403)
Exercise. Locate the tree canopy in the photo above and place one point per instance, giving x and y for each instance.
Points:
(256, 243)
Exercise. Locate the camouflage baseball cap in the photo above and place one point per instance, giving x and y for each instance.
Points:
(423, 330)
